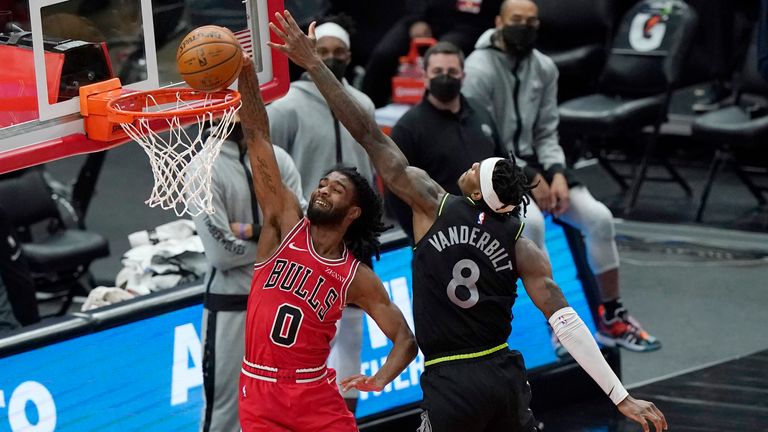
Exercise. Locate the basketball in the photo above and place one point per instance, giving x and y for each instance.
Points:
(209, 58)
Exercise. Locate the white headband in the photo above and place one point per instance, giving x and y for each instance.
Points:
(486, 187)
(332, 29)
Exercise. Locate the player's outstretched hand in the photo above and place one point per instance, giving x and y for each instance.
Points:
(643, 412)
(362, 383)
(299, 47)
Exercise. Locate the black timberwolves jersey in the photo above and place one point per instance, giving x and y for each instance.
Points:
(464, 279)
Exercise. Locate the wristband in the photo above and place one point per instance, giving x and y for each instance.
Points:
(242, 231)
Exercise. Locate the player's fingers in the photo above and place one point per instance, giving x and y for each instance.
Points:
(642, 421)
(661, 415)
(652, 409)
(351, 378)
(654, 419)
(662, 422)
(278, 47)
(277, 31)
(291, 21)
(282, 21)
(356, 383)
(311, 31)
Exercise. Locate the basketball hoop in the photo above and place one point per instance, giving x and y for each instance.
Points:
(181, 130)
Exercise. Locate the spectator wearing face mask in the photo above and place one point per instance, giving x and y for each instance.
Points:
(302, 123)
(446, 132)
(457, 21)
(518, 85)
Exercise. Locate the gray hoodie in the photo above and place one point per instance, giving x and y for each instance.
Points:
(231, 259)
(302, 124)
(490, 79)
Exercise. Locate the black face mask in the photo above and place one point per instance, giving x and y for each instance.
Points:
(519, 38)
(337, 66)
(445, 87)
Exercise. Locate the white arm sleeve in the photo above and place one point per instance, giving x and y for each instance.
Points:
(576, 338)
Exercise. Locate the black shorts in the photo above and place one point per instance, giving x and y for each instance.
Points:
(486, 394)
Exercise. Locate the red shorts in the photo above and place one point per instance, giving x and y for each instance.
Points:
(290, 406)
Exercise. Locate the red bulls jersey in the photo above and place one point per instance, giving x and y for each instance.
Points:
(296, 298)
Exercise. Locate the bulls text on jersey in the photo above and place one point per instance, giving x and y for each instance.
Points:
(293, 277)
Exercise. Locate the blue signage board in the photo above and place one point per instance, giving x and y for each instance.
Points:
(142, 376)
(147, 375)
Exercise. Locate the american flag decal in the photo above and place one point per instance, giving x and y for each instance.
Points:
(246, 41)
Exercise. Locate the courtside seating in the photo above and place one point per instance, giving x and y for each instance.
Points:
(739, 132)
(643, 67)
(575, 35)
(58, 257)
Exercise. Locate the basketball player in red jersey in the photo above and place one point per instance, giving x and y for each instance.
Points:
(307, 271)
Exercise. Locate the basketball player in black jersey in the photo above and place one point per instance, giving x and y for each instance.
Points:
(468, 256)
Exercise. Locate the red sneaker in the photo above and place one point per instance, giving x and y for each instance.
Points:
(625, 331)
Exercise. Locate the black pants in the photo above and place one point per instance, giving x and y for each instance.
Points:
(385, 58)
(480, 395)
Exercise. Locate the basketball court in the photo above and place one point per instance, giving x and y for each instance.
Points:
(709, 376)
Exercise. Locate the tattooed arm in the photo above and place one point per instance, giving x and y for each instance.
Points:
(279, 205)
(410, 184)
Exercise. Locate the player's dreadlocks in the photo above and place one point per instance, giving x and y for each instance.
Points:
(362, 237)
(511, 184)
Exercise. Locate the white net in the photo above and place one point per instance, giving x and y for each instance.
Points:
(182, 156)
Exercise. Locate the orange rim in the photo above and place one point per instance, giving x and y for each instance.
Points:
(129, 107)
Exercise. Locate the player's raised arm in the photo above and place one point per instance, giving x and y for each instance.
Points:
(368, 292)
(279, 205)
(536, 274)
(411, 184)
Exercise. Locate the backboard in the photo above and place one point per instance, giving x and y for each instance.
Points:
(51, 48)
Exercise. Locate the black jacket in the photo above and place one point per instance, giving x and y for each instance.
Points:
(444, 145)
